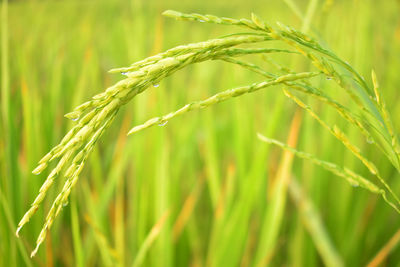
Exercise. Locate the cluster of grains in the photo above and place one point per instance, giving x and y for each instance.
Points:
(95, 116)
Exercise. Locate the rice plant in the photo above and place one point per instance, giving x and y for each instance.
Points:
(95, 116)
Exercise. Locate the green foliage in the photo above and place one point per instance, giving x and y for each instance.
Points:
(143, 179)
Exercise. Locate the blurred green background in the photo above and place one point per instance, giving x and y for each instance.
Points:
(202, 190)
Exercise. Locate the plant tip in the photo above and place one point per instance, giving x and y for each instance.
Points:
(257, 21)
(18, 230)
(74, 115)
(34, 252)
(39, 169)
(261, 137)
(171, 13)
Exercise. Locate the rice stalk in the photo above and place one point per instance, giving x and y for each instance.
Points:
(341, 136)
(320, 57)
(96, 115)
(220, 97)
(351, 177)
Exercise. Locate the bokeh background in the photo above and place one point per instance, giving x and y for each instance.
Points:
(201, 190)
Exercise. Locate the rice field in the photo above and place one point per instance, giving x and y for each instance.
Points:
(285, 156)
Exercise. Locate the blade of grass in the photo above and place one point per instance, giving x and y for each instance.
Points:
(76, 234)
(11, 225)
(277, 200)
(295, 9)
(151, 237)
(385, 251)
(187, 210)
(314, 225)
(311, 8)
(108, 254)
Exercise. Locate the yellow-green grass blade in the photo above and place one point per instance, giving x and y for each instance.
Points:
(314, 225)
(273, 217)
